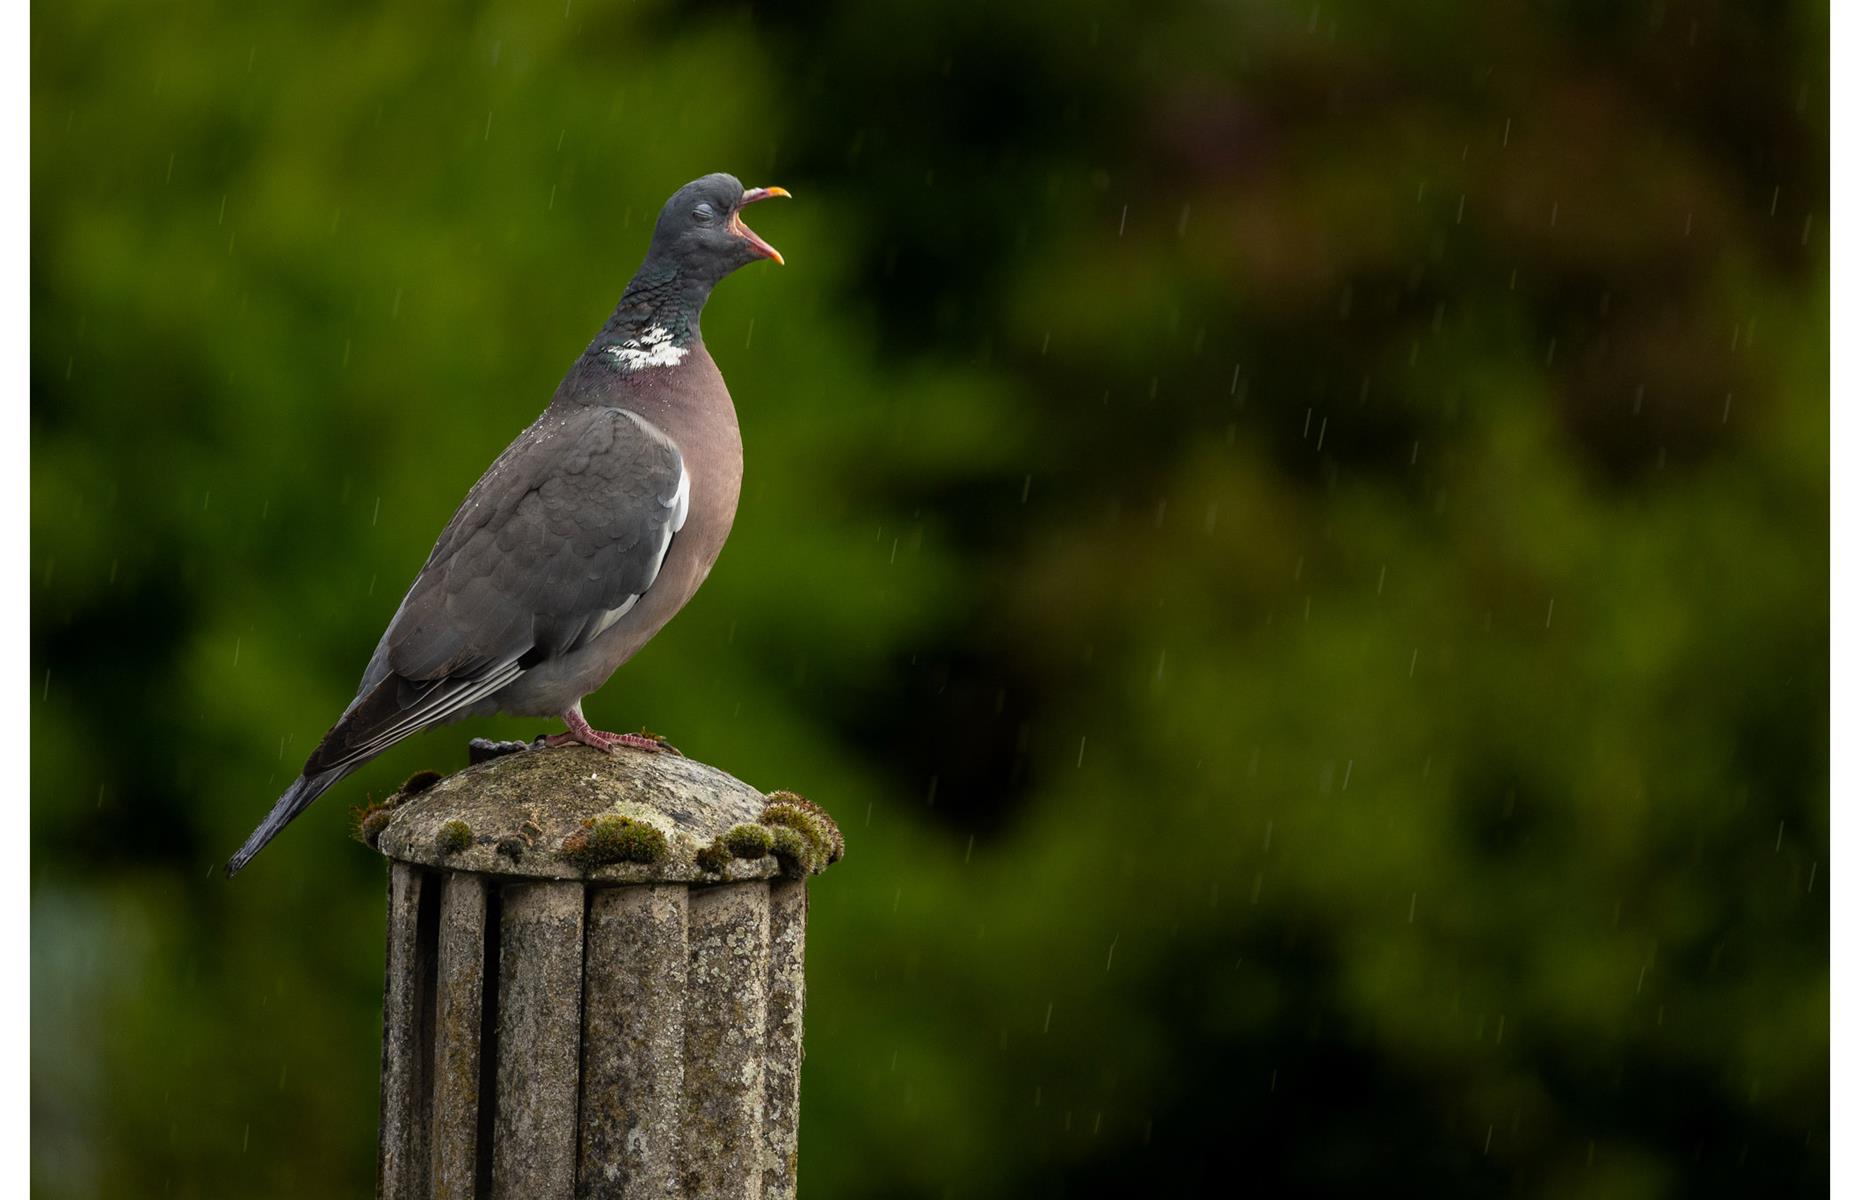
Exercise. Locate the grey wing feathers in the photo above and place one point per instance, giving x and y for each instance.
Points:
(560, 538)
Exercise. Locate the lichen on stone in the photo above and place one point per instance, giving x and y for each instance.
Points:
(453, 837)
(611, 838)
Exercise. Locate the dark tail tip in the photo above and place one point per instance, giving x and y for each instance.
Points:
(237, 862)
(295, 799)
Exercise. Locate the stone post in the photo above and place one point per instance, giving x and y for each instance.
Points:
(594, 979)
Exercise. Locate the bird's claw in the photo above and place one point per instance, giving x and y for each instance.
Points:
(652, 743)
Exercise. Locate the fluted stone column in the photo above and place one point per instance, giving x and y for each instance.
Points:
(594, 979)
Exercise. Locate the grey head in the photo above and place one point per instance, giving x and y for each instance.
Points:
(701, 236)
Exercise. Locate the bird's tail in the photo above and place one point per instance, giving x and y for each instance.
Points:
(295, 799)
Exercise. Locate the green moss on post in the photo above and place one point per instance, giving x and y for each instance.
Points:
(793, 851)
(614, 839)
(453, 837)
(418, 782)
(748, 841)
(369, 821)
(826, 831)
(713, 858)
(810, 823)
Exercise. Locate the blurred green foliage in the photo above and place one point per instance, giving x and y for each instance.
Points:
(1292, 537)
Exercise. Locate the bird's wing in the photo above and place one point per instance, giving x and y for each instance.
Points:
(557, 542)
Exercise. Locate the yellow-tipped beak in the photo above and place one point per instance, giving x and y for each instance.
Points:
(753, 196)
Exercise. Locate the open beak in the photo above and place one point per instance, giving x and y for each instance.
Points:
(753, 196)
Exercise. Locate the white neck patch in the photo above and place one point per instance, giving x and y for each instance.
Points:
(652, 348)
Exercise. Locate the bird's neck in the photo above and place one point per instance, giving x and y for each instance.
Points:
(656, 319)
(653, 332)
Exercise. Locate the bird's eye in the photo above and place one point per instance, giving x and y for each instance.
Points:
(704, 213)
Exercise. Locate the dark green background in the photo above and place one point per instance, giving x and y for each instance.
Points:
(1293, 537)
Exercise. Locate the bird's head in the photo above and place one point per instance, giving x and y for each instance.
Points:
(701, 229)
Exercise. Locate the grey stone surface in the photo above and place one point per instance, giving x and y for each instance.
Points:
(529, 803)
(725, 1031)
(633, 1041)
(538, 1042)
(782, 1072)
(401, 1167)
(458, 1012)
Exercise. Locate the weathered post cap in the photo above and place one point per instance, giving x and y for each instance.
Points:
(576, 813)
(558, 1035)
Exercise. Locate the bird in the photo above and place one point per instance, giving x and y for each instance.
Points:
(585, 536)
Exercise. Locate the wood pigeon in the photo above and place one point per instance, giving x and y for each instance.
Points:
(585, 536)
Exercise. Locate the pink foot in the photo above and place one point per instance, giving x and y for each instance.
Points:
(581, 733)
(610, 742)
